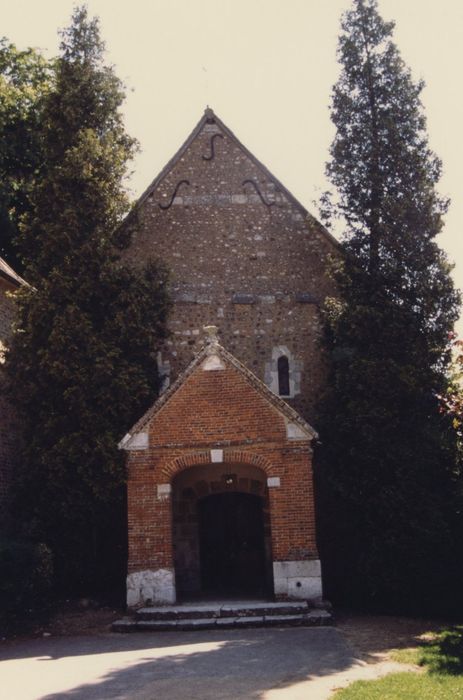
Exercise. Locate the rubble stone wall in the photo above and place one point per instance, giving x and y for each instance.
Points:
(243, 255)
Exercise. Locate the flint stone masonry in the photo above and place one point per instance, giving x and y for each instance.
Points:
(306, 298)
(295, 371)
(243, 253)
(243, 299)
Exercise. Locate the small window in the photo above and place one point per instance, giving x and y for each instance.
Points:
(283, 376)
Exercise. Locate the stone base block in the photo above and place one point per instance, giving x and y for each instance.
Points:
(297, 580)
(151, 588)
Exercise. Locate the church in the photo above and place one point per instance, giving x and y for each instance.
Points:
(220, 486)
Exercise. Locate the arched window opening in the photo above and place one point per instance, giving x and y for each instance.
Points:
(283, 376)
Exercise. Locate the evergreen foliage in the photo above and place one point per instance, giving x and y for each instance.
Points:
(83, 359)
(25, 79)
(389, 500)
(27, 576)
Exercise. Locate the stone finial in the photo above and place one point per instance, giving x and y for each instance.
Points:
(211, 335)
(210, 116)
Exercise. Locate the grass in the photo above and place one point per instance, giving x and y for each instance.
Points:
(405, 686)
(410, 656)
(441, 658)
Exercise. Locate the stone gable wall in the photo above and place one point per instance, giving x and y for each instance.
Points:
(243, 256)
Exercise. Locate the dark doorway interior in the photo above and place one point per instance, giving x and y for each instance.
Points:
(232, 547)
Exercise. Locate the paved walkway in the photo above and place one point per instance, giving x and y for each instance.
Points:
(260, 664)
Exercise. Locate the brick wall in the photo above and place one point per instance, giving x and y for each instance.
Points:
(259, 272)
(219, 410)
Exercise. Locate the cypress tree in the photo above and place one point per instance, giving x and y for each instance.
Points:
(389, 470)
(83, 360)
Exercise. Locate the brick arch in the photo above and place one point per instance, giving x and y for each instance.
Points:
(211, 486)
(203, 457)
(190, 487)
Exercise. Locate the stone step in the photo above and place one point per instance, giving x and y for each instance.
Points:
(135, 624)
(221, 610)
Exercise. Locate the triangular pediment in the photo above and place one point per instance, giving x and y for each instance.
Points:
(215, 358)
(211, 138)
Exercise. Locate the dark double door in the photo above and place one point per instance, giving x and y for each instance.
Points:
(232, 545)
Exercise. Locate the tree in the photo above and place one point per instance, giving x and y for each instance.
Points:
(25, 79)
(83, 360)
(451, 403)
(389, 464)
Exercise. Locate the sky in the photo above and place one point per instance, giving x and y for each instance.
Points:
(267, 68)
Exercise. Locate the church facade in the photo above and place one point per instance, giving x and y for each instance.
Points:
(219, 470)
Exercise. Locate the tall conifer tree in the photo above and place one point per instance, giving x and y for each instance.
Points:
(25, 78)
(389, 467)
(83, 360)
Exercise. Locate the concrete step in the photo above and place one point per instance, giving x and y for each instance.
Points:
(137, 624)
(221, 609)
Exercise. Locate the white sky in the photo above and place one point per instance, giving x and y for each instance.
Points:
(266, 67)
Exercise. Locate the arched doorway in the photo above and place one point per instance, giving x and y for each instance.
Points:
(221, 531)
(231, 544)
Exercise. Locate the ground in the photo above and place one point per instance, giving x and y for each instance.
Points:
(374, 636)
(76, 656)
